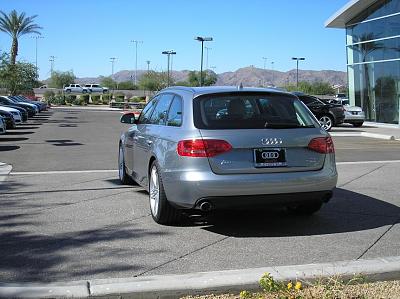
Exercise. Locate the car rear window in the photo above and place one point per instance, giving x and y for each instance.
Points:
(250, 111)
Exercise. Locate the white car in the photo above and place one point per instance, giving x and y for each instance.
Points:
(15, 113)
(76, 88)
(2, 126)
(96, 88)
(352, 114)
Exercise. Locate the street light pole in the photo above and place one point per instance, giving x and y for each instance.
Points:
(297, 68)
(136, 43)
(265, 61)
(202, 40)
(272, 69)
(168, 53)
(148, 65)
(36, 37)
(52, 59)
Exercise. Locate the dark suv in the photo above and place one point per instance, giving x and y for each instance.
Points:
(328, 114)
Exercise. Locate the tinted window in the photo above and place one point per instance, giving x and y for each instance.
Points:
(159, 114)
(175, 113)
(250, 111)
(146, 112)
(309, 100)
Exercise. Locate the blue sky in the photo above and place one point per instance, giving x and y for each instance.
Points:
(83, 35)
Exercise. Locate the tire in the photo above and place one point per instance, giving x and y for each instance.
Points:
(122, 174)
(305, 209)
(326, 122)
(68, 91)
(161, 210)
(357, 125)
(84, 91)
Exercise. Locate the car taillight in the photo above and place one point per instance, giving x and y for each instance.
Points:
(323, 145)
(202, 147)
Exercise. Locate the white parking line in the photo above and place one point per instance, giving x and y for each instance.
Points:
(368, 162)
(63, 171)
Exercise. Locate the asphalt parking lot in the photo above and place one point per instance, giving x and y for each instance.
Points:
(64, 216)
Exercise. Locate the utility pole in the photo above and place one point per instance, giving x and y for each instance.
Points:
(265, 61)
(112, 60)
(272, 68)
(136, 43)
(207, 49)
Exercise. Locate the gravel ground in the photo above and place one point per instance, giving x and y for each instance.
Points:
(382, 290)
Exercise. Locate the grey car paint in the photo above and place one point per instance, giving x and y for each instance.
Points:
(186, 180)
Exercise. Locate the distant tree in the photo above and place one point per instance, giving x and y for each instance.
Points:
(16, 25)
(209, 78)
(17, 78)
(60, 79)
(127, 85)
(153, 81)
(108, 82)
(316, 88)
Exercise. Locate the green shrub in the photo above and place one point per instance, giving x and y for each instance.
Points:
(69, 99)
(137, 99)
(96, 100)
(119, 97)
(85, 98)
(106, 99)
(57, 100)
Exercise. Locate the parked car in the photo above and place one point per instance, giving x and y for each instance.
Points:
(76, 88)
(267, 149)
(14, 112)
(3, 128)
(41, 105)
(328, 114)
(96, 88)
(352, 114)
(23, 111)
(8, 101)
(8, 119)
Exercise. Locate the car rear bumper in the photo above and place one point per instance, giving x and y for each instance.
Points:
(186, 189)
(354, 118)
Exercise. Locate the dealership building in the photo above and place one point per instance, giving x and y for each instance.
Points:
(373, 56)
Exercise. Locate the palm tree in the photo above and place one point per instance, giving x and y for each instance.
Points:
(17, 25)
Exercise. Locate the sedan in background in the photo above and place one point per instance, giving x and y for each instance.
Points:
(328, 114)
(266, 149)
(3, 128)
(31, 108)
(41, 105)
(14, 112)
(353, 114)
(8, 119)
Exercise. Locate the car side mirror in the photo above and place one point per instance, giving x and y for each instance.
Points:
(128, 118)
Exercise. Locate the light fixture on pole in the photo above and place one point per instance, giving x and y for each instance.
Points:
(52, 59)
(168, 53)
(36, 37)
(136, 43)
(297, 68)
(148, 65)
(202, 40)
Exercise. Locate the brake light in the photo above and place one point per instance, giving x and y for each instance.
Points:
(202, 147)
(323, 145)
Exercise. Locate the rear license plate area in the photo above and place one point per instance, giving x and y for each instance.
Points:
(269, 157)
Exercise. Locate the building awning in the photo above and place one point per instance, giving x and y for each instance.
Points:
(347, 13)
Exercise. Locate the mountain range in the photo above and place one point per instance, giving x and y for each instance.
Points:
(248, 76)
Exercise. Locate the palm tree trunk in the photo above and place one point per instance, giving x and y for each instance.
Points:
(14, 50)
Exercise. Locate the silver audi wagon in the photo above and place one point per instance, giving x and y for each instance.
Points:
(212, 148)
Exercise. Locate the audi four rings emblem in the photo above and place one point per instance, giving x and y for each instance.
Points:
(269, 155)
(271, 141)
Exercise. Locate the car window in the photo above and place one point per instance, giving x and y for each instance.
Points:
(159, 114)
(175, 113)
(250, 111)
(146, 112)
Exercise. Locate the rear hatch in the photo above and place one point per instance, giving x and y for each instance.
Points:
(267, 132)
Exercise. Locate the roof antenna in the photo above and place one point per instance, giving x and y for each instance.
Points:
(240, 86)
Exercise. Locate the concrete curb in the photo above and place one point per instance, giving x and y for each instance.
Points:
(5, 170)
(90, 108)
(363, 134)
(173, 286)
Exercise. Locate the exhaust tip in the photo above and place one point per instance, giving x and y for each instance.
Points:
(206, 206)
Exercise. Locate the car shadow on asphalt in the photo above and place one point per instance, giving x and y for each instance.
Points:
(346, 212)
(7, 148)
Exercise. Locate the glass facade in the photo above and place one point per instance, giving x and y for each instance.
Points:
(373, 58)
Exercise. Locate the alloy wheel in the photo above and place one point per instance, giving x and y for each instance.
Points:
(326, 122)
(154, 191)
